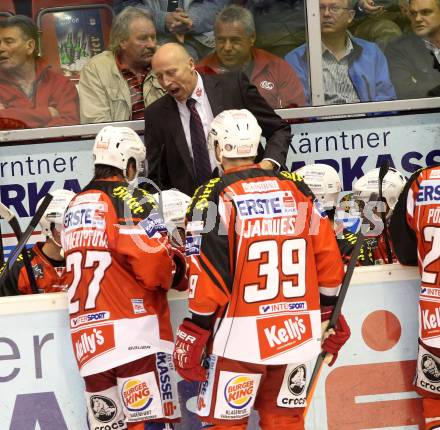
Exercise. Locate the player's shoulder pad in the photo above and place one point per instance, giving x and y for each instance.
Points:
(139, 201)
(298, 180)
(203, 194)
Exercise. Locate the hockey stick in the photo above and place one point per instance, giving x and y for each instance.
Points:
(11, 219)
(338, 306)
(2, 254)
(26, 235)
(382, 172)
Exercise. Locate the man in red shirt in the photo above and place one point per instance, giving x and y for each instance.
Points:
(234, 50)
(32, 94)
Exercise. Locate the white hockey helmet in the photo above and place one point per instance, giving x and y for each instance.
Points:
(174, 205)
(236, 132)
(324, 182)
(393, 183)
(114, 146)
(54, 214)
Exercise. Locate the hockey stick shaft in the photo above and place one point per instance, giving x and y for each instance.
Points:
(2, 254)
(10, 217)
(26, 235)
(337, 308)
(382, 172)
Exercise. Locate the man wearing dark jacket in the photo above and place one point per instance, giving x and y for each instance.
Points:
(177, 124)
(414, 58)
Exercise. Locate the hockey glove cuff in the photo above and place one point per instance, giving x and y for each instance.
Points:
(189, 349)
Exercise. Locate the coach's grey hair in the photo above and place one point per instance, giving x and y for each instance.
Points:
(120, 27)
(234, 13)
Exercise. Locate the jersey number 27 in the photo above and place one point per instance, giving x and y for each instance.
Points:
(100, 261)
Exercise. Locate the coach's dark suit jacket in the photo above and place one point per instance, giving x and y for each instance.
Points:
(169, 162)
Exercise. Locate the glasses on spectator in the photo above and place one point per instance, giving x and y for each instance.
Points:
(333, 9)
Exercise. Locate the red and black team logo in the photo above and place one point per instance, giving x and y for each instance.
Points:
(430, 368)
(38, 271)
(297, 380)
(104, 409)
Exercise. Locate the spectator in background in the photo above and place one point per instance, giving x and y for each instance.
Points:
(234, 31)
(188, 22)
(381, 22)
(354, 70)
(414, 58)
(118, 84)
(32, 94)
(280, 24)
(377, 30)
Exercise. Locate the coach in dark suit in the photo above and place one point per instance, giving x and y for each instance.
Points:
(177, 124)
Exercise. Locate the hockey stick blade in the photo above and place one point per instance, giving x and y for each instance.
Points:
(26, 235)
(340, 301)
(10, 217)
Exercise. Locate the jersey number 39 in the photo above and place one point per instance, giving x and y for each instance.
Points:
(283, 262)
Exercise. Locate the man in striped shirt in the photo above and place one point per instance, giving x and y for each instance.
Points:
(118, 84)
(354, 70)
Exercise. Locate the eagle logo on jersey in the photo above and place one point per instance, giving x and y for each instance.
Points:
(431, 368)
(239, 391)
(297, 380)
(104, 409)
(38, 271)
(136, 395)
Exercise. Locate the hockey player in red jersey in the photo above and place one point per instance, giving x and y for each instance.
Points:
(324, 182)
(263, 260)
(392, 186)
(174, 205)
(46, 258)
(120, 265)
(415, 232)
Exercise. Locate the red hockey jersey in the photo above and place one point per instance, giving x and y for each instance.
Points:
(49, 275)
(119, 273)
(260, 253)
(415, 230)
